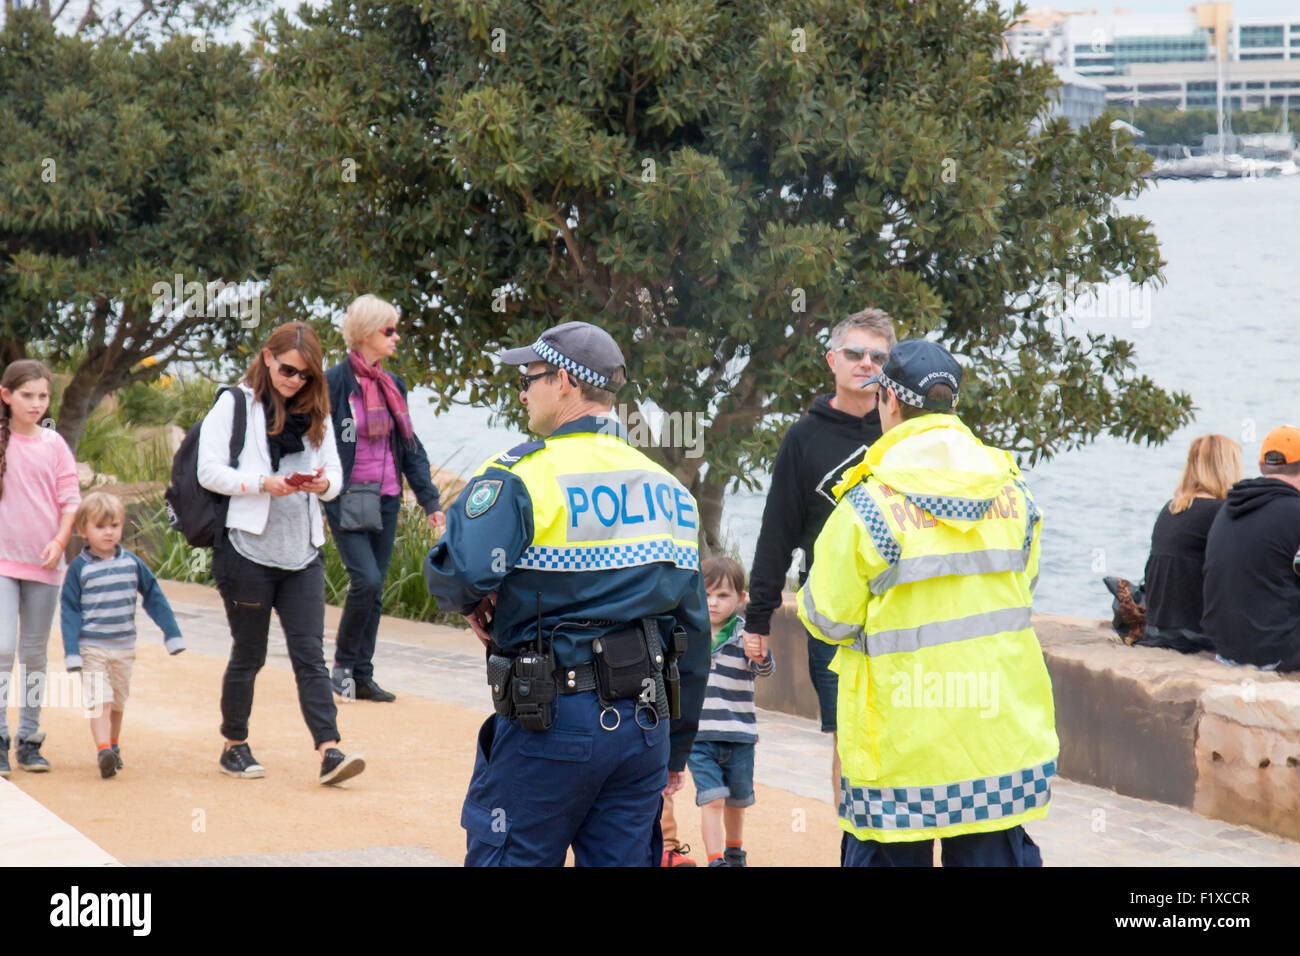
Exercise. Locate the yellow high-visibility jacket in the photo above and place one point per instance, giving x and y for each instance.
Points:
(924, 576)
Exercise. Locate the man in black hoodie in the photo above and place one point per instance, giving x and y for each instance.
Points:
(829, 439)
(1252, 593)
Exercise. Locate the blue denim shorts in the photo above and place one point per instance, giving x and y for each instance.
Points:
(722, 769)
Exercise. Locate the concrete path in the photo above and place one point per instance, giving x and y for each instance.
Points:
(1087, 826)
(31, 835)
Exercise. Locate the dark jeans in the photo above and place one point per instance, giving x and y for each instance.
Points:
(366, 555)
(250, 591)
(824, 680)
(999, 848)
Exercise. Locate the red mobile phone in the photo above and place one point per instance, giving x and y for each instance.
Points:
(299, 478)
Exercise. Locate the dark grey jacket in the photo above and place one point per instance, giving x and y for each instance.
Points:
(409, 455)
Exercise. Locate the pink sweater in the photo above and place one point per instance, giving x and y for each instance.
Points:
(40, 485)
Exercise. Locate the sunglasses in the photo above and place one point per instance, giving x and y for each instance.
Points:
(854, 354)
(390, 331)
(526, 380)
(288, 371)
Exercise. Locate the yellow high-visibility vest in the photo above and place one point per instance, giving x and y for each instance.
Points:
(924, 576)
(599, 503)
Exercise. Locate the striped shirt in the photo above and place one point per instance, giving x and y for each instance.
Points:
(98, 604)
(728, 712)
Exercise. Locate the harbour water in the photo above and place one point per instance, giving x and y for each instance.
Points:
(1225, 328)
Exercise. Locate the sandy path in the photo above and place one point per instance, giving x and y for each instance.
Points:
(171, 801)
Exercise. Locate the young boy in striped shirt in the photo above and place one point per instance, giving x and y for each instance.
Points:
(722, 760)
(98, 619)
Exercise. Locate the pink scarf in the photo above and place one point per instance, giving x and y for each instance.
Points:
(382, 402)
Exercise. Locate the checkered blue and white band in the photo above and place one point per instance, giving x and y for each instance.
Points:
(946, 805)
(580, 372)
(905, 394)
(605, 556)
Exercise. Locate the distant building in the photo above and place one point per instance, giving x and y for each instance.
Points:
(1079, 99)
(1175, 59)
(1247, 84)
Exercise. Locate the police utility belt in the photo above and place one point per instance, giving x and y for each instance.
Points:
(628, 664)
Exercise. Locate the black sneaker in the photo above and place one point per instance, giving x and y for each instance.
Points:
(720, 861)
(117, 753)
(368, 690)
(107, 762)
(237, 761)
(337, 766)
(4, 757)
(29, 754)
(734, 855)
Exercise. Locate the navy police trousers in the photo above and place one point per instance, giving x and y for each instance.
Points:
(1011, 847)
(534, 794)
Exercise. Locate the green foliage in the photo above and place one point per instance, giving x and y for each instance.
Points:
(119, 170)
(1167, 125)
(717, 184)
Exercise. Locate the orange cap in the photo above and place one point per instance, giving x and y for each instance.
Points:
(1281, 446)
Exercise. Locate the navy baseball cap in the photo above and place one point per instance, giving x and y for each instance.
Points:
(913, 366)
(585, 351)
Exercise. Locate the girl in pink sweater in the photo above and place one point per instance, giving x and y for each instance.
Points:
(38, 498)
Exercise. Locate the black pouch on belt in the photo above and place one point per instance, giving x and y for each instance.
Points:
(622, 665)
(498, 673)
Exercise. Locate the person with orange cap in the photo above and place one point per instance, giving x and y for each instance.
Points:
(1252, 580)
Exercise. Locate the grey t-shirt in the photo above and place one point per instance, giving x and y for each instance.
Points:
(286, 540)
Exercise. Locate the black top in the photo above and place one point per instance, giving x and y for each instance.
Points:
(1174, 569)
(1252, 595)
(814, 453)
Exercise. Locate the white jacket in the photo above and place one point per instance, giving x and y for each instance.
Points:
(249, 509)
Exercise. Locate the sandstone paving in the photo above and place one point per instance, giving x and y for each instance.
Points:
(405, 809)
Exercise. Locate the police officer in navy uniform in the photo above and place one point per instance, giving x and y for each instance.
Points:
(575, 560)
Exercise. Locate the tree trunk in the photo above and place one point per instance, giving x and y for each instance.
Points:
(80, 399)
(11, 350)
(709, 498)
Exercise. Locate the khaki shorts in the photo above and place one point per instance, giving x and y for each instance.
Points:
(106, 677)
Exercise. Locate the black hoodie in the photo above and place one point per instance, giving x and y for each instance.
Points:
(815, 452)
(1252, 593)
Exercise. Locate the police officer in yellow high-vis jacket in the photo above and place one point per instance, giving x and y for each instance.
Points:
(575, 559)
(924, 576)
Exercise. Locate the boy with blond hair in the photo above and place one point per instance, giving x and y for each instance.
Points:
(98, 618)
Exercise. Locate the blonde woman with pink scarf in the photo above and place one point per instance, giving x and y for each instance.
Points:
(377, 447)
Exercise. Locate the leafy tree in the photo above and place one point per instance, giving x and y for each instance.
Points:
(716, 183)
(119, 170)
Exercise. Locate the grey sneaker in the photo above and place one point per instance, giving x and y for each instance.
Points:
(118, 754)
(735, 856)
(337, 766)
(4, 757)
(343, 684)
(237, 761)
(107, 762)
(29, 754)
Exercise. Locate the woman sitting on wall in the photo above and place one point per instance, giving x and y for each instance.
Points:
(1173, 573)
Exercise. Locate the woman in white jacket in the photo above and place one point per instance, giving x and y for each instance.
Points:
(269, 556)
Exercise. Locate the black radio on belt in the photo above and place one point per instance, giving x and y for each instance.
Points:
(532, 683)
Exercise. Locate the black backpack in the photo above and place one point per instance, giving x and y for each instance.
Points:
(193, 510)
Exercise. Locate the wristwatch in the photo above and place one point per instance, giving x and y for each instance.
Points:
(261, 483)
